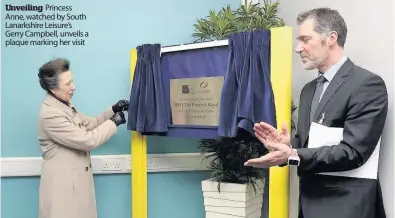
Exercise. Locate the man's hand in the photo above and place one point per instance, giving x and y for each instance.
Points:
(264, 131)
(278, 156)
(277, 143)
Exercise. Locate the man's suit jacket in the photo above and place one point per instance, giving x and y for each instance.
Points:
(357, 101)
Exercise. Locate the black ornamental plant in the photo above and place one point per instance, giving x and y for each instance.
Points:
(227, 157)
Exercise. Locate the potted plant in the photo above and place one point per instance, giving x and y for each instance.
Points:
(233, 189)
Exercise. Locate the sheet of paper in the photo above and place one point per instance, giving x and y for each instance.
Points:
(321, 135)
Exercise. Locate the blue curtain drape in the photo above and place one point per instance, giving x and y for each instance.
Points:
(147, 109)
(247, 95)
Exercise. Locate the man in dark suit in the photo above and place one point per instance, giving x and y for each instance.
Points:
(343, 96)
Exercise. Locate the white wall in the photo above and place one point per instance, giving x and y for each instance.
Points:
(370, 44)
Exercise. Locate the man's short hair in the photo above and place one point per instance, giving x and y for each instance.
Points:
(326, 20)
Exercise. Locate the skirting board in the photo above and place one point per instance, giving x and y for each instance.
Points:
(31, 166)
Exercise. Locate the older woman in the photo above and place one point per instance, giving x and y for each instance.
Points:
(66, 137)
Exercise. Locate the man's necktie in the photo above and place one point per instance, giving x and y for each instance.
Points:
(317, 94)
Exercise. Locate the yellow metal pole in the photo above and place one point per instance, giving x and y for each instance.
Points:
(138, 148)
(281, 78)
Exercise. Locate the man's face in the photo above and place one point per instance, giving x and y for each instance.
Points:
(312, 47)
(66, 86)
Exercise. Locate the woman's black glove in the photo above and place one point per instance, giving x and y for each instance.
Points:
(118, 118)
(121, 105)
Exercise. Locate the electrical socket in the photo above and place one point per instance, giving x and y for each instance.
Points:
(152, 164)
(113, 164)
(128, 164)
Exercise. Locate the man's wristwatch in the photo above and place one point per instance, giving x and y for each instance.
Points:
(294, 159)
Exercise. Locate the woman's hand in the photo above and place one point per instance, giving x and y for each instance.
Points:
(121, 105)
(118, 118)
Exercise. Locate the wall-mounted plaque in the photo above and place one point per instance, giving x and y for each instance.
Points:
(196, 101)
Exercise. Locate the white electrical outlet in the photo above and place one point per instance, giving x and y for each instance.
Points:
(128, 164)
(152, 164)
(117, 164)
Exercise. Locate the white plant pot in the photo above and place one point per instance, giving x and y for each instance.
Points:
(233, 200)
